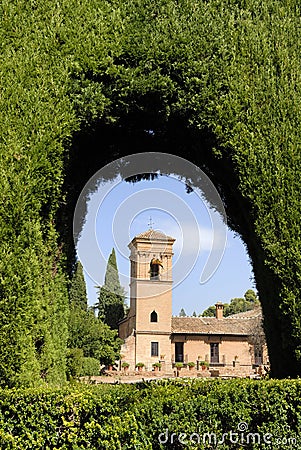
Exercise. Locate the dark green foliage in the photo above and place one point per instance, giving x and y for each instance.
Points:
(112, 282)
(111, 307)
(209, 312)
(93, 337)
(78, 293)
(182, 313)
(236, 305)
(90, 367)
(80, 365)
(128, 417)
(75, 358)
(251, 297)
(218, 82)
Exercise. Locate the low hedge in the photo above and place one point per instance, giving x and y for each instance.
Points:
(175, 414)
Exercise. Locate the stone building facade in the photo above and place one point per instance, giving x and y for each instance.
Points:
(232, 345)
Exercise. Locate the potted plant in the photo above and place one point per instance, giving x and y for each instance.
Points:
(204, 365)
(179, 365)
(191, 365)
(139, 366)
(125, 365)
(157, 366)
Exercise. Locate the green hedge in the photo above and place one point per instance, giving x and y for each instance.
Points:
(218, 82)
(90, 366)
(140, 416)
(79, 365)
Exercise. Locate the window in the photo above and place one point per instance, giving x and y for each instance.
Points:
(154, 317)
(258, 355)
(154, 348)
(214, 354)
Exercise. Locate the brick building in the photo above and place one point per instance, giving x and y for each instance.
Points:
(233, 345)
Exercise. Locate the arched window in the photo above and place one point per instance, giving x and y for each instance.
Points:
(154, 317)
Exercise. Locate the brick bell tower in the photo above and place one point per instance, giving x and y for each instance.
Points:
(147, 328)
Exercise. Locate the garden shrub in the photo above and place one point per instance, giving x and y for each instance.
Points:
(90, 366)
(75, 358)
(153, 415)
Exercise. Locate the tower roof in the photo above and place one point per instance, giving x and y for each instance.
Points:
(154, 235)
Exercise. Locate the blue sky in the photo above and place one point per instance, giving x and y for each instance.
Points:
(119, 210)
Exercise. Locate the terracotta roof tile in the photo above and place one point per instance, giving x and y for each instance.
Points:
(256, 312)
(238, 324)
(154, 235)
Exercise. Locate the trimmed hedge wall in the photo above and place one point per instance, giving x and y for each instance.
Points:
(154, 416)
(218, 82)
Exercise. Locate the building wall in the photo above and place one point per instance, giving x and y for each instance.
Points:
(195, 348)
(143, 350)
(235, 352)
(126, 327)
(153, 296)
(265, 355)
(128, 350)
(231, 348)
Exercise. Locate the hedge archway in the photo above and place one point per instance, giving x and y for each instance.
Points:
(217, 83)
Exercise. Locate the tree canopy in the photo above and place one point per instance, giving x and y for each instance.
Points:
(236, 305)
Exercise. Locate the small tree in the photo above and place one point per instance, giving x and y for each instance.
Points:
(182, 313)
(257, 336)
(95, 338)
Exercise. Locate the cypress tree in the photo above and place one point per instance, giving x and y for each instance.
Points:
(88, 336)
(78, 293)
(182, 313)
(111, 295)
